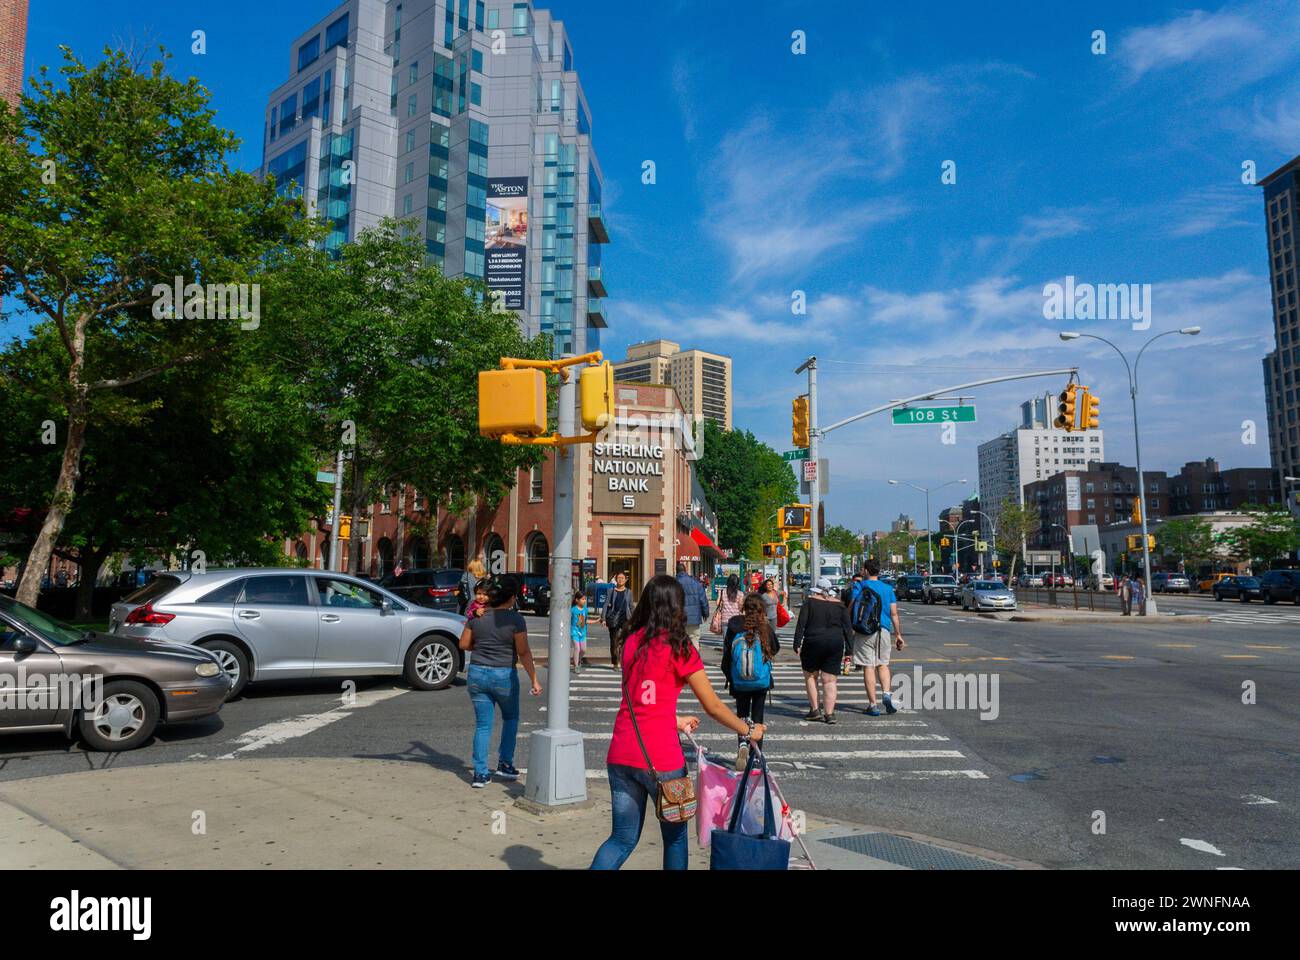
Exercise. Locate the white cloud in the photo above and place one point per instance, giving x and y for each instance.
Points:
(1194, 36)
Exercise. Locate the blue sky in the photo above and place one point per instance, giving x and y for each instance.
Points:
(821, 173)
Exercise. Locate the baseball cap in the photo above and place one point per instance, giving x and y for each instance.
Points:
(824, 585)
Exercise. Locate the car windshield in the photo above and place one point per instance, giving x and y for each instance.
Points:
(942, 580)
(1247, 582)
(988, 585)
(55, 631)
(158, 587)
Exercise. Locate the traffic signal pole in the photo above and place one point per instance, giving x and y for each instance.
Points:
(814, 438)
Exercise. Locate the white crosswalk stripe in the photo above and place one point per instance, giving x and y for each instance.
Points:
(899, 746)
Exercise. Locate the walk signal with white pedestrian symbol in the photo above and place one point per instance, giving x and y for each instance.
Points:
(774, 550)
(796, 517)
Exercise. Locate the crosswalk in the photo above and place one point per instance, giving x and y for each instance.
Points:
(901, 746)
(1251, 617)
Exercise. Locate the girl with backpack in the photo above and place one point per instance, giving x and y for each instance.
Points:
(645, 759)
(748, 651)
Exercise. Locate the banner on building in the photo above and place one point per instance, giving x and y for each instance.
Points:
(1072, 500)
(506, 246)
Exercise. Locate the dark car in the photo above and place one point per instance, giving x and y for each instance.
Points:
(113, 691)
(1280, 585)
(439, 589)
(1244, 589)
(910, 588)
(534, 593)
(941, 588)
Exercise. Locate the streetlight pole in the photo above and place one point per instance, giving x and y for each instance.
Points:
(1137, 445)
(994, 527)
(814, 487)
(929, 538)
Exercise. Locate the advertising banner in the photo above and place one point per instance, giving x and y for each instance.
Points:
(506, 246)
(1072, 501)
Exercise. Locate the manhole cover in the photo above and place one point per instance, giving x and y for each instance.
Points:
(911, 853)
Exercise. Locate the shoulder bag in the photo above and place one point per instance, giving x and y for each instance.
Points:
(675, 799)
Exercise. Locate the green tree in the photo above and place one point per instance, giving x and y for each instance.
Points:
(1016, 524)
(114, 182)
(840, 539)
(746, 481)
(1270, 534)
(380, 355)
(1190, 539)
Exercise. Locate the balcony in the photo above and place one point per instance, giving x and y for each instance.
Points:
(596, 282)
(596, 312)
(596, 224)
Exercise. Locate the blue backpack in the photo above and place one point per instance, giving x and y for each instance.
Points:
(750, 669)
(866, 611)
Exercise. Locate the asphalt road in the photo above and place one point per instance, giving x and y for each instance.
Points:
(1144, 723)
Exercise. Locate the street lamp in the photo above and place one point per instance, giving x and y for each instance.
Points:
(994, 527)
(927, 490)
(1137, 446)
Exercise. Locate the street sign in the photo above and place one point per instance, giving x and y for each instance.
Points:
(323, 477)
(809, 471)
(909, 416)
(911, 552)
(795, 455)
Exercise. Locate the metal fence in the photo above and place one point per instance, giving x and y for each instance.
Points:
(1077, 598)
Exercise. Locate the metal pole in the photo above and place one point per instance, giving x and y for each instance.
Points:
(338, 513)
(815, 555)
(1148, 596)
(557, 766)
(929, 538)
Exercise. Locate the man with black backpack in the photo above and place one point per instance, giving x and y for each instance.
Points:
(875, 629)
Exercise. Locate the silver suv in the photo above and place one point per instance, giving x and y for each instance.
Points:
(281, 624)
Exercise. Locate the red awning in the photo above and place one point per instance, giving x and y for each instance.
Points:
(702, 538)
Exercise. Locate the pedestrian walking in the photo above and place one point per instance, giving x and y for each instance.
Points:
(1139, 596)
(771, 598)
(499, 641)
(618, 612)
(645, 755)
(748, 651)
(469, 580)
(578, 630)
(697, 603)
(822, 635)
(1126, 596)
(480, 604)
(728, 605)
(871, 651)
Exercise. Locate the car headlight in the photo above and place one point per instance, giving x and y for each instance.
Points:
(207, 669)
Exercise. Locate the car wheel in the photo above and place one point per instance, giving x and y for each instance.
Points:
(233, 661)
(1244, 599)
(1218, 595)
(1268, 598)
(123, 719)
(431, 663)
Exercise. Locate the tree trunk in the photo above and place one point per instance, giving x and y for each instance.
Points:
(38, 561)
(89, 565)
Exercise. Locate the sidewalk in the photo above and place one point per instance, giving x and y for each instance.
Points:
(335, 814)
(1046, 613)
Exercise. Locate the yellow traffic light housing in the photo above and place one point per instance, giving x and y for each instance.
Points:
(1136, 515)
(512, 402)
(1091, 411)
(799, 430)
(796, 517)
(1066, 408)
(596, 396)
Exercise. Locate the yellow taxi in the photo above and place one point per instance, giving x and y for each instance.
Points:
(1207, 583)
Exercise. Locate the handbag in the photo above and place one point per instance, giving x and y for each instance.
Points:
(715, 625)
(782, 615)
(675, 798)
(731, 849)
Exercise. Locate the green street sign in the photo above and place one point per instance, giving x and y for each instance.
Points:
(323, 477)
(795, 454)
(909, 416)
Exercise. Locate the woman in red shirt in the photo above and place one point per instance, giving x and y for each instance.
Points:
(654, 672)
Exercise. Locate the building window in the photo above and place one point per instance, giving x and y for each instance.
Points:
(410, 140)
(336, 34)
(494, 19)
(412, 104)
(309, 53)
(410, 172)
(535, 484)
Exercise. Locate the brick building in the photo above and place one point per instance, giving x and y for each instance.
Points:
(13, 40)
(1201, 487)
(1102, 494)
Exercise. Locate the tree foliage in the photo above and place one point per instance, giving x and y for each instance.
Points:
(1190, 539)
(1271, 534)
(746, 482)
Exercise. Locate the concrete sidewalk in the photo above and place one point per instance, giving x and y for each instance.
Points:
(1046, 613)
(326, 814)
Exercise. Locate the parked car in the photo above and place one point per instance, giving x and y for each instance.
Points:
(437, 589)
(1032, 579)
(1058, 579)
(1103, 581)
(143, 683)
(1208, 581)
(1170, 583)
(911, 587)
(534, 593)
(281, 624)
(987, 595)
(1280, 585)
(1244, 589)
(940, 587)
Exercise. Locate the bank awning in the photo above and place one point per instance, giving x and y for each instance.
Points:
(702, 538)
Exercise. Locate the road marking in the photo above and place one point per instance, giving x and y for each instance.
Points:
(1266, 646)
(892, 775)
(865, 755)
(1254, 800)
(1177, 646)
(802, 737)
(1115, 656)
(1240, 656)
(956, 644)
(1201, 845)
(281, 731)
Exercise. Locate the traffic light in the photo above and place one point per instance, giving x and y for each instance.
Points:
(1066, 408)
(512, 402)
(799, 430)
(596, 395)
(795, 517)
(774, 551)
(1136, 515)
(1091, 411)
(945, 542)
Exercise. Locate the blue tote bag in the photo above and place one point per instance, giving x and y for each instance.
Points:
(733, 850)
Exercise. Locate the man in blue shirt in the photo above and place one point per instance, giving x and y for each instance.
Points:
(697, 603)
(872, 652)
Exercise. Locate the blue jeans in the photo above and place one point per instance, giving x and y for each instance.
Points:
(491, 687)
(629, 789)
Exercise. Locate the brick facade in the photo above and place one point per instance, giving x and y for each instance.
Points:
(13, 39)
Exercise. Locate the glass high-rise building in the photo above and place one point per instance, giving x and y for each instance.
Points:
(466, 120)
(1282, 366)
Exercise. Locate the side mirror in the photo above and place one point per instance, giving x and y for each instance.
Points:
(385, 607)
(25, 645)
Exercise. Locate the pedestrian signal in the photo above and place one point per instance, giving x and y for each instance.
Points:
(596, 395)
(796, 517)
(512, 402)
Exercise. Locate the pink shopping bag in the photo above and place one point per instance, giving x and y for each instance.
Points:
(716, 784)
